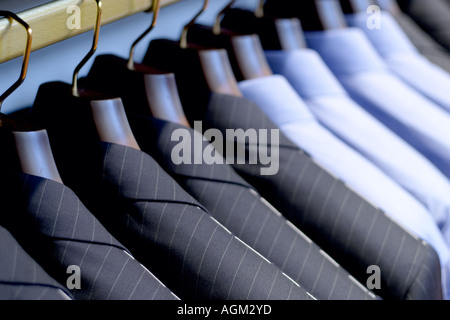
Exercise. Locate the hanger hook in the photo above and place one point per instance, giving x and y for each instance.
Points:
(156, 6)
(183, 40)
(216, 27)
(91, 52)
(259, 12)
(26, 56)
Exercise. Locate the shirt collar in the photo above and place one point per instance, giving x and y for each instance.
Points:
(346, 51)
(387, 38)
(277, 98)
(305, 71)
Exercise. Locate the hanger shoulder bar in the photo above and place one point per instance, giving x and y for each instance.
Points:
(58, 20)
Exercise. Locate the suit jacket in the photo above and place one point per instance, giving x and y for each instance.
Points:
(58, 231)
(353, 231)
(147, 211)
(238, 206)
(21, 277)
(433, 16)
(426, 45)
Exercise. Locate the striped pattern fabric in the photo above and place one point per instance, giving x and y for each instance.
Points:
(164, 228)
(21, 277)
(340, 221)
(423, 42)
(237, 205)
(176, 238)
(58, 231)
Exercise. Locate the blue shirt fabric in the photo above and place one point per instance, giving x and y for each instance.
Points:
(329, 102)
(286, 109)
(403, 59)
(364, 75)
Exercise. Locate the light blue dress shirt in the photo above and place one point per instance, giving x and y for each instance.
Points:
(364, 75)
(404, 59)
(328, 101)
(286, 109)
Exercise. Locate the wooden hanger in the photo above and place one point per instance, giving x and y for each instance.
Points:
(314, 14)
(144, 90)
(251, 62)
(27, 148)
(274, 33)
(204, 69)
(354, 6)
(99, 116)
(389, 5)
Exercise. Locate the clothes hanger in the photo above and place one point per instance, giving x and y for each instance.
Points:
(25, 147)
(314, 14)
(202, 37)
(274, 33)
(198, 64)
(94, 114)
(143, 89)
(251, 63)
(389, 6)
(354, 6)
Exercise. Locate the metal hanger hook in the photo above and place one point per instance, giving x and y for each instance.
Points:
(183, 39)
(216, 27)
(91, 52)
(26, 56)
(259, 12)
(156, 6)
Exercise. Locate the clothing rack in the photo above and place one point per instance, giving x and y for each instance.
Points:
(49, 22)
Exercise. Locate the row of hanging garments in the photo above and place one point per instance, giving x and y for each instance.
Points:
(105, 194)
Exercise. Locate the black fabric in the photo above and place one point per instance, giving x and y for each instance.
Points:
(245, 22)
(21, 277)
(58, 231)
(342, 223)
(426, 45)
(313, 14)
(160, 223)
(315, 201)
(236, 205)
(229, 199)
(433, 16)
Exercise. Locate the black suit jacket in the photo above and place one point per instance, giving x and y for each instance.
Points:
(238, 206)
(433, 16)
(426, 45)
(341, 222)
(149, 213)
(58, 231)
(21, 277)
(177, 239)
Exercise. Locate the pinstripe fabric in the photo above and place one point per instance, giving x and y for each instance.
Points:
(423, 42)
(235, 204)
(58, 231)
(149, 213)
(432, 16)
(21, 277)
(353, 231)
(176, 238)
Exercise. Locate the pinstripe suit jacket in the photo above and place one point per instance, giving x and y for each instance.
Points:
(235, 204)
(21, 277)
(433, 16)
(423, 42)
(177, 239)
(55, 227)
(166, 229)
(227, 197)
(341, 222)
